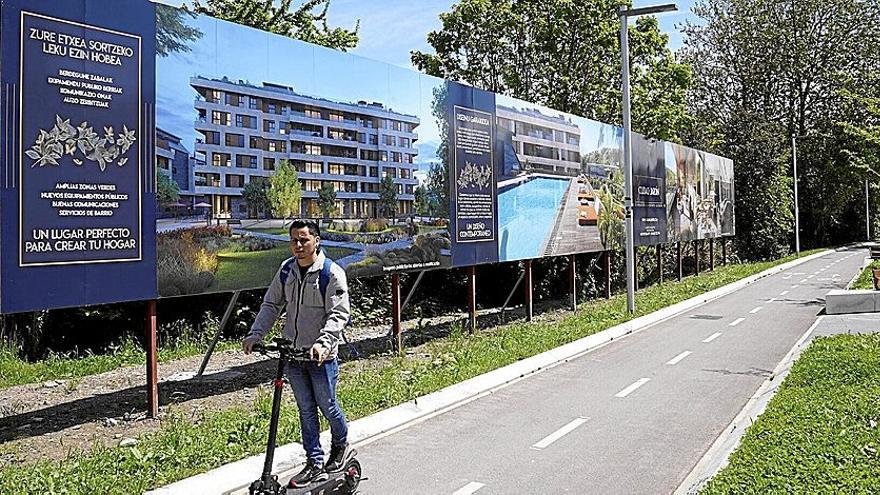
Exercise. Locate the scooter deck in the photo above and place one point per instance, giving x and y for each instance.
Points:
(338, 483)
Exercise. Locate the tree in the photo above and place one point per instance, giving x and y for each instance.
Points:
(437, 182)
(167, 191)
(327, 199)
(255, 193)
(780, 67)
(285, 191)
(308, 22)
(562, 54)
(423, 205)
(387, 197)
(172, 32)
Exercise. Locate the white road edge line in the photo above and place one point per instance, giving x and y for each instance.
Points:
(468, 489)
(712, 337)
(556, 435)
(737, 322)
(632, 388)
(678, 358)
(759, 308)
(783, 293)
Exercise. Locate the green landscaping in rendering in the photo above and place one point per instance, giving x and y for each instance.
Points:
(821, 431)
(182, 448)
(254, 269)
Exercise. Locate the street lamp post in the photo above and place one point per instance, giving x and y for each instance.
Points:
(797, 228)
(624, 15)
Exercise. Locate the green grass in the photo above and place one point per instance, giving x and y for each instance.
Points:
(182, 448)
(821, 431)
(244, 270)
(865, 279)
(14, 371)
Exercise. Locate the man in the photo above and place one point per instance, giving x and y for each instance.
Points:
(317, 312)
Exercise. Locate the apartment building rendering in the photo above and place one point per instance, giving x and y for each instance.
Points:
(247, 130)
(542, 143)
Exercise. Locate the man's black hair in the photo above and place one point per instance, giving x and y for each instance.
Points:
(301, 223)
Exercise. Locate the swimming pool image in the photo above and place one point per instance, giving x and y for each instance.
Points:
(538, 217)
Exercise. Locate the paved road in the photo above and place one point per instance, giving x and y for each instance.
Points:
(631, 417)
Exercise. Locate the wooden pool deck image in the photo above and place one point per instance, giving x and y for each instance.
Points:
(568, 235)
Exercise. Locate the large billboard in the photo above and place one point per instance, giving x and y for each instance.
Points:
(108, 198)
(77, 202)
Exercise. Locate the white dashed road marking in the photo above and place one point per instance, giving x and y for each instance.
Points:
(556, 435)
(468, 489)
(678, 358)
(737, 322)
(632, 388)
(759, 308)
(712, 337)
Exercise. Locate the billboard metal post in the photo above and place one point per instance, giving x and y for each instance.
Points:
(220, 328)
(723, 251)
(635, 264)
(396, 312)
(572, 281)
(607, 266)
(697, 247)
(529, 307)
(512, 292)
(472, 299)
(152, 362)
(660, 262)
(711, 255)
(678, 259)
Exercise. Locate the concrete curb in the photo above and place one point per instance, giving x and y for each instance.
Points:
(718, 455)
(238, 475)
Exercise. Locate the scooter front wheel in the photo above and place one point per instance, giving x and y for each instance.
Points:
(352, 476)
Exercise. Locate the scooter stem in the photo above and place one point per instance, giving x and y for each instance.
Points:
(273, 422)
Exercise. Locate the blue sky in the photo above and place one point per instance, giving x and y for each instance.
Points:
(390, 32)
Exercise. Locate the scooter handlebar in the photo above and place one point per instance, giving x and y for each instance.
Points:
(283, 347)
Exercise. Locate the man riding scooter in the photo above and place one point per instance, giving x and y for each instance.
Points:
(314, 291)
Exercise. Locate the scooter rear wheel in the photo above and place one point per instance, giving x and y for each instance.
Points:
(352, 476)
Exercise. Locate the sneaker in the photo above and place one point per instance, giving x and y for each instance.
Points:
(338, 455)
(310, 473)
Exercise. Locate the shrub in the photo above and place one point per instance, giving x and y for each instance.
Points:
(374, 225)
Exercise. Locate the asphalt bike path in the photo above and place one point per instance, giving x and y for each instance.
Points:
(632, 416)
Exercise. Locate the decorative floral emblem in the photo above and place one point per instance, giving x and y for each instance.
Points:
(65, 139)
(475, 176)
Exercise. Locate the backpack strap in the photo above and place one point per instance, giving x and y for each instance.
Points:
(285, 273)
(323, 282)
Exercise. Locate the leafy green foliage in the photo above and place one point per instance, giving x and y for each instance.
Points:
(765, 71)
(167, 191)
(172, 32)
(308, 22)
(285, 191)
(865, 279)
(256, 194)
(327, 199)
(388, 197)
(820, 433)
(562, 54)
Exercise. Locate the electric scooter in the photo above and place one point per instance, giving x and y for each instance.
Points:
(341, 482)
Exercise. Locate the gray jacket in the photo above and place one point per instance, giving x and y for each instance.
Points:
(311, 318)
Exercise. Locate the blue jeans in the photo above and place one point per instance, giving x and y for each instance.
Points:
(314, 387)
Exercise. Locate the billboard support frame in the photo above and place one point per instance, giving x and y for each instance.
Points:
(697, 246)
(678, 259)
(723, 251)
(152, 361)
(220, 328)
(396, 339)
(472, 298)
(527, 271)
(512, 292)
(607, 269)
(572, 280)
(660, 262)
(711, 255)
